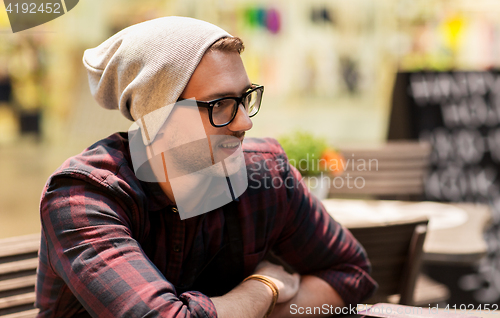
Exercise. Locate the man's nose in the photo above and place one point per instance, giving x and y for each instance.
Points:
(241, 121)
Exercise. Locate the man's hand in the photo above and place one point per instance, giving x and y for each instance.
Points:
(288, 284)
(253, 298)
(313, 292)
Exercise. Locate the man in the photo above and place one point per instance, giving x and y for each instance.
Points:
(115, 245)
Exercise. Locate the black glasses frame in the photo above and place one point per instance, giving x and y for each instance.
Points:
(210, 104)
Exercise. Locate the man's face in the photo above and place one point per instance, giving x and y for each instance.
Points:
(219, 74)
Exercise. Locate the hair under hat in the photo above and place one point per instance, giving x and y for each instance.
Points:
(146, 67)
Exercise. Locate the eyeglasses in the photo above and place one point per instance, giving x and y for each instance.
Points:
(222, 111)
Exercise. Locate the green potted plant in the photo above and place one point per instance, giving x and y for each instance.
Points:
(314, 159)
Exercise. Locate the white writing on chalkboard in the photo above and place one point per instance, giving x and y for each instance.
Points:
(439, 87)
(474, 111)
(461, 146)
(458, 184)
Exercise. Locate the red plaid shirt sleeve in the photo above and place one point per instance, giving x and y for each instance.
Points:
(90, 246)
(313, 243)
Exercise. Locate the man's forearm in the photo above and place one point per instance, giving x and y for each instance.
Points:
(313, 292)
(250, 299)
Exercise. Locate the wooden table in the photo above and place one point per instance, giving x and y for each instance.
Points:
(455, 232)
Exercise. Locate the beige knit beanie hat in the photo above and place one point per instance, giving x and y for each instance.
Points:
(146, 67)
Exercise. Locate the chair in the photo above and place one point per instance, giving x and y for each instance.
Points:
(18, 263)
(395, 170)
(395, 251)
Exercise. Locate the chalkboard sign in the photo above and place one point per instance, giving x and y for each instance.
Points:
(459, 114)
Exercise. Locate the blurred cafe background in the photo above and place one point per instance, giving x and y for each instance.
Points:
(358, 74)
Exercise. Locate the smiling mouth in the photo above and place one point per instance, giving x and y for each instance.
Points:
(230, 145)
(232, 142)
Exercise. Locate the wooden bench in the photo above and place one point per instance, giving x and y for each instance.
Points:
(18, 264)
(395, 170)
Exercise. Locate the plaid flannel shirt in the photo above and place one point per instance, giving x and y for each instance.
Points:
(112, 246)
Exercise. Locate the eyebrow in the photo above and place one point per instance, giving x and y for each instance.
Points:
(226, 94)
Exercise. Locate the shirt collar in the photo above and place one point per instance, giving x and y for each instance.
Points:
(157, 199)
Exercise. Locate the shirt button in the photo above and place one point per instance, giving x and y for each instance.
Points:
(174, 209)
(177, 248)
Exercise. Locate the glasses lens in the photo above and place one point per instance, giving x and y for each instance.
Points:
(223, 111)
(252, 102)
